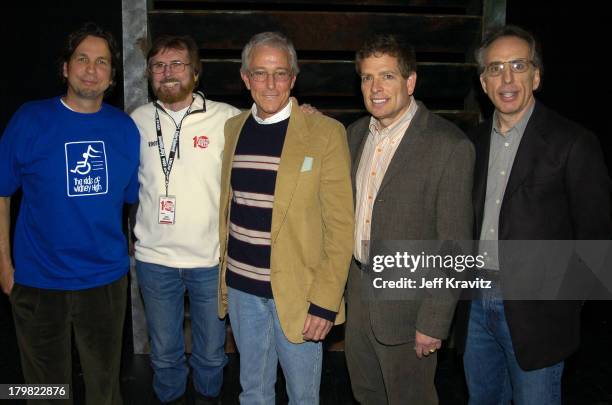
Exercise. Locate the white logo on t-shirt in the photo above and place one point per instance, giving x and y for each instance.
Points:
(86, 168)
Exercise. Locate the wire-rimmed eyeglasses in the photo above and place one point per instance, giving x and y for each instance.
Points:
(262, 75)
(174, 66)
(517, 66)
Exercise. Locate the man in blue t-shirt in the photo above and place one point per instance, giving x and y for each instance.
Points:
(76, 160)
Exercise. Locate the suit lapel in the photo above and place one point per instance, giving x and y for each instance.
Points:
(292, 158)
(362, 130)
(232, 134)
(410, 146)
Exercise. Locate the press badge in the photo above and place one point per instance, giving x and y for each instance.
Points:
(167, 209)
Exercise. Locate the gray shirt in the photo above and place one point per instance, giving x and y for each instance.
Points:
(502, 152)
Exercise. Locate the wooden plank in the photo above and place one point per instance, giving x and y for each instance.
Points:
(463, 119)
(444, 80)
(339, 79)
(319, 31)
(347, 110)
(377, 3)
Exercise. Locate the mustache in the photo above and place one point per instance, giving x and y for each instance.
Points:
(169, 80)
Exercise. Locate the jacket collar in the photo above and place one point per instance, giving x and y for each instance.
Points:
(414, 134)
(295, 149)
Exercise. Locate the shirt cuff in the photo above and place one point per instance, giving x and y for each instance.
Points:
(322, 312)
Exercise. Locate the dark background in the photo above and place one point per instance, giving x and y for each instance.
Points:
(575, 83)
(573, 38)
(33, 35)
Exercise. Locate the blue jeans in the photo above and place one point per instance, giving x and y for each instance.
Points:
(492, 373)
(262, 344)
(163, 290)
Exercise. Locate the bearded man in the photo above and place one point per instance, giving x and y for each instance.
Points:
(177, 246)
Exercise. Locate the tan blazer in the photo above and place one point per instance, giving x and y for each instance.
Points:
(312, 218)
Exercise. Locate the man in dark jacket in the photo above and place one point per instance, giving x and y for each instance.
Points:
(538, 176)
(412, 176)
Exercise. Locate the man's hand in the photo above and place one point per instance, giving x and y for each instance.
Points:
(308, 109)
(7, 279)
(315, 328)
(425, 345)
(305, 108)
(7, 271)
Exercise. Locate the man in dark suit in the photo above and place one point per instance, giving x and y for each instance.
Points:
(538, 176)
(412, 176)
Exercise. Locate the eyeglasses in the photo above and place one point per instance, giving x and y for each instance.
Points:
(517, 66)
(262, 75)
(174, 66)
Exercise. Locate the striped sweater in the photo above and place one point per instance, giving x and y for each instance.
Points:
(253, 180)
(254, 169)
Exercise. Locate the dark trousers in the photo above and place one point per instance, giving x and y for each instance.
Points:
(384, 374)
(44, 322)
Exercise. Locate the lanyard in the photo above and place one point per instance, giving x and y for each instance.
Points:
(166, 163)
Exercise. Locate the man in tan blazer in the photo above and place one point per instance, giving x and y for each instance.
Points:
(413, 181)
(286, 226)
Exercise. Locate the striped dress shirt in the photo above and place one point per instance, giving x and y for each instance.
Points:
(378, 151)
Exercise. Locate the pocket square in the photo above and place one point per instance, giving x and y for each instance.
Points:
(307, 165)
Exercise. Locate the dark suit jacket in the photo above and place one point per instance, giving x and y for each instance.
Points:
(558, 190)
(424, 195)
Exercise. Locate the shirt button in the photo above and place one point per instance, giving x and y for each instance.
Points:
(378, 150)
(507, 144)
(492, 230)
(367, 221)
(369, 197)
(373, 173)
(503, 172)
(496, 201)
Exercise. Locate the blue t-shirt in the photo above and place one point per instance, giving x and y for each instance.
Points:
(76, 171)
